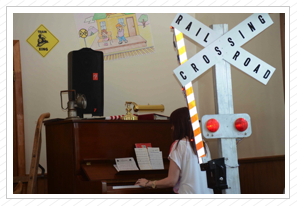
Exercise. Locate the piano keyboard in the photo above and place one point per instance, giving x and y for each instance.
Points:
(126, 187)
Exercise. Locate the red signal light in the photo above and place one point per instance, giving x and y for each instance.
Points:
(212, 125)
(241, 124)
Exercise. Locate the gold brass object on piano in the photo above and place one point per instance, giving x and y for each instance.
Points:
(136, 108)
(129, 115)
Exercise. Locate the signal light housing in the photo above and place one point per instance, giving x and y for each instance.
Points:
(226, 126)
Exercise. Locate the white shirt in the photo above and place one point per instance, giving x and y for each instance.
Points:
(191, 180)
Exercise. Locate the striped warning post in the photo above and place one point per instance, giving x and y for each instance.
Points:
(180, 44)
(195, 121)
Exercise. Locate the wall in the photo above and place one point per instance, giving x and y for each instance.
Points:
(149, 79)
(273, 180)
(264, 104)
(144, 79)
(250, 182)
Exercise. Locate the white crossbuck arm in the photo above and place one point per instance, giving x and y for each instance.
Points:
(226, 47)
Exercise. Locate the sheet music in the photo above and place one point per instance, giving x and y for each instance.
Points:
(126, 164)
(156, 158)
(143, 158)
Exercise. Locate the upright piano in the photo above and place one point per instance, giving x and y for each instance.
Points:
(81, 154)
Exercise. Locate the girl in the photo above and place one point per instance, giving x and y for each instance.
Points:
(105, 38)
(184, 175)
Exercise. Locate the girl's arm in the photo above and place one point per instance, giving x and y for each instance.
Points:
(170, 181)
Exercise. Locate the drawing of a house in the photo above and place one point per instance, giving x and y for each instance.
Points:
(110, 26)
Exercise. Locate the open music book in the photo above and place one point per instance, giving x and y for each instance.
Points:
(149, 158)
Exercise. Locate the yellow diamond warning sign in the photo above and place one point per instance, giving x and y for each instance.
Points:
(42, 40)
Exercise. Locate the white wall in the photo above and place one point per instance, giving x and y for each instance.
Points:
(150, 79)
(264, 104)
(143, 79)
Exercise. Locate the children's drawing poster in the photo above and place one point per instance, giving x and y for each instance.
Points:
(117, 35)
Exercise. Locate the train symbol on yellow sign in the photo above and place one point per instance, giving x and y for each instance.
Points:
(42, 40)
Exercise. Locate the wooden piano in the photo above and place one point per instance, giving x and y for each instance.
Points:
(81, 154)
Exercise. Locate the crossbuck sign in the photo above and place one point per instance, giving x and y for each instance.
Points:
(226, 47)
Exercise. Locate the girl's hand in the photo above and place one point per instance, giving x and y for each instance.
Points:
(142, 182)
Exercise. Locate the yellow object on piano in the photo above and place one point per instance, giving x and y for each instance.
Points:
(130, 116)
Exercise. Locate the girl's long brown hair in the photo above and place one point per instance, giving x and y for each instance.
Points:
(180, 120)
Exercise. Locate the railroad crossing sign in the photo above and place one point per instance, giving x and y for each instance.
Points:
(225, 47)
(83, 33)
(221, 49)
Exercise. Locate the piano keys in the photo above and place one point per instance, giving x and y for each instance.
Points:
(81, 154)
(125, 187)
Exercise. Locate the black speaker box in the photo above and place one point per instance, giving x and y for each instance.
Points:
(86, 76)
